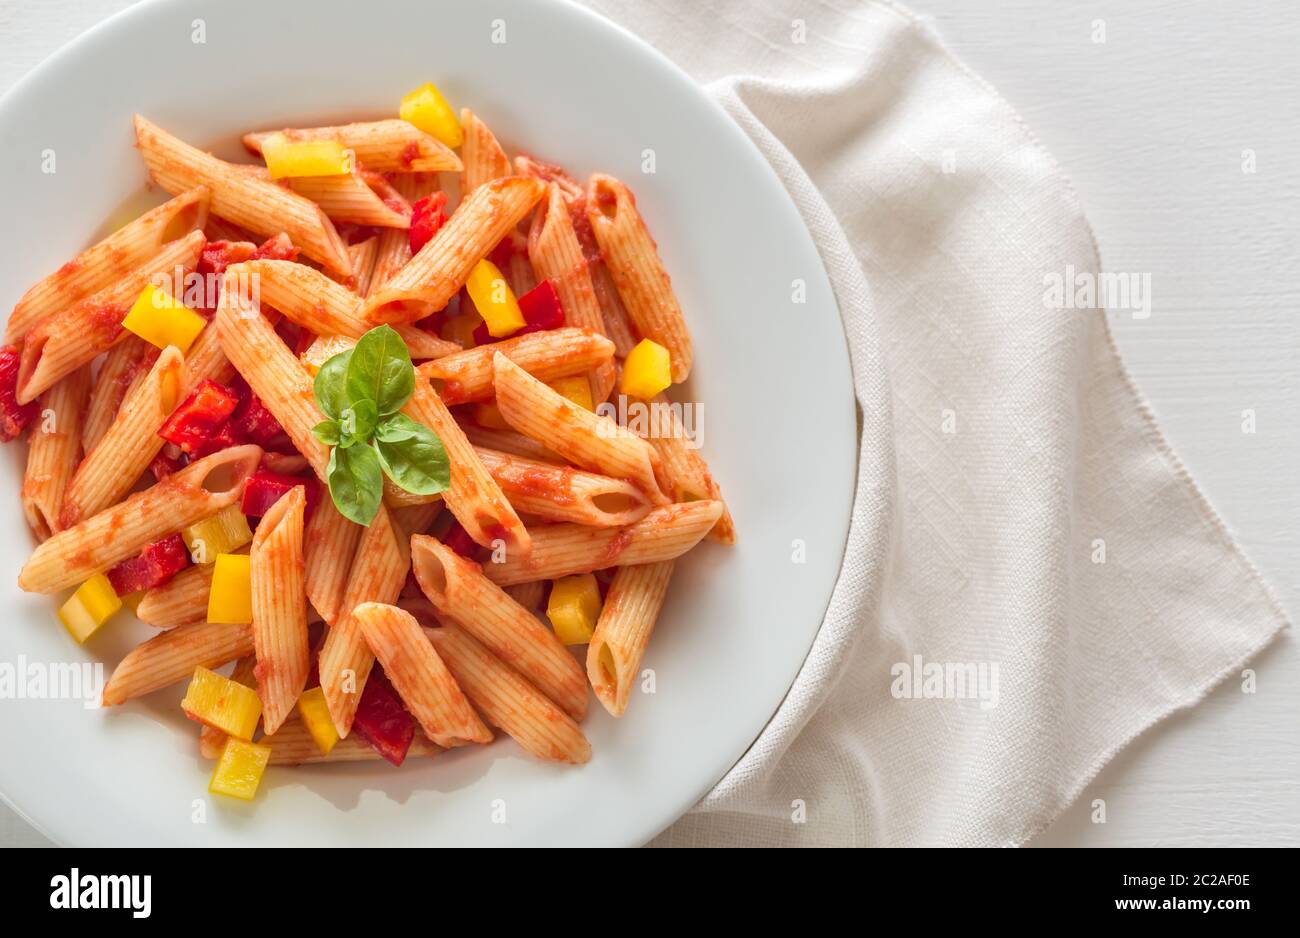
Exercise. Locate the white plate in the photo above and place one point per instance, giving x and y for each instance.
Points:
(779, 427)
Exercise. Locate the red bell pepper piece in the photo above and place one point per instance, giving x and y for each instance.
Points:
(264, 488)
(427, 216)
(458, 539)
(382, 719)
(153, 566)
(254, 422)
(14, 417)
(541, 307)
(198, 419)
(165, 463)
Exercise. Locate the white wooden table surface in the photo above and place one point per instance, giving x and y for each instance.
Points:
(1153, 124)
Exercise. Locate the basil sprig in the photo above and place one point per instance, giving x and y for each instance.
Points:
(362, 391)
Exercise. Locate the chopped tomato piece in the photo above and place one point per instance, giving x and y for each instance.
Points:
(218, 255)
(198, 420)
(14, 417)
(382, 719)
(541, 307)
(264, 488)
(427, 216)
(153, 566)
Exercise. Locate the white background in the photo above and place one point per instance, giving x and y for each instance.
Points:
(1151, 124)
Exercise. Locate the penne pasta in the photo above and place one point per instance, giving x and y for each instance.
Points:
(565, 549)
(569, 187)
(331, 543)
(170, 657)
(561, 493)
(242, 197)
(633, 261)
(108, 261)
(92, 546)
(393, 247)
(431, 278)
(361, 197)
(293, 745)
(583, 438)
(617, 325)
(117, 372)
(508, 441)
(387, 146)
(131, 442)
(181, 600)
(419, 676)
(61, 343)
(363, 264)
(415, 519)
(467, 375)
(481, 153)
(626, 620)
(279, 600)
(53, 452)
(462, 594)
(528, 595)
(509, 701)
(685, 472)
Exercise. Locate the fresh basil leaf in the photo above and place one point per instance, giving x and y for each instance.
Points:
(418, 463)
(398, 427)
(330, 386)
(327, 431)
(356, 482)
(358, 422)
(381, 371)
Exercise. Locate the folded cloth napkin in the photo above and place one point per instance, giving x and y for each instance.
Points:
(1020, 523)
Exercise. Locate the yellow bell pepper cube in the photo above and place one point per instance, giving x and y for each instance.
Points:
(490, 416)
(647, 371)
(574, 607)
(223, 533)
(494, 300)
(89, 607)
(230, 599)
(427, 109)
(287, 158)
(162, 320)
(239, 770)
(576, 388)
(222, 704)
(316, 717)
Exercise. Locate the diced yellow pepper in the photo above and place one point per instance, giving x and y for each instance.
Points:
(576, 388)
(574, 607)
(222, 704)
(323, 349)
(286, 158)
(230, 599)
(427, 109)
(161, 319)
(494, 300)
(239, 770)
(490, 416)
(647, 370)
(460, 328)
(89, 607)
(316, 717)
(223, 533)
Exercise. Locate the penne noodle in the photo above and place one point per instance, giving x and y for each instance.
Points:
(418, 675)
(481, 153)
(331, 542)
(520, 271)
(561, 493)
(633, 261)
(131, 442)
(242, 197)
(685, 472)
(211, 739)
(387, 146)
(561, 550)
(61, 343)
(569, 187)
(53, 452)
(415, 519)
(508, 441)
(528, 595)
(393, 249)
(198, 491)
(432, 277)
(181, 600)
(462, 594)
(293, 745)
(288, 464)
(473, 497)
(508, 701)
(467, 375)
(171, 657)
(363, 264)
(581, 437)
(361, 197)
(279, 600)
(117, 373)
(206, 359)
(108, 261)
(218, 229)
(626, 620)
(378, 575)
(617, 325)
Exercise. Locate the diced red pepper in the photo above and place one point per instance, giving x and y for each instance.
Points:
(264, 488)
(14, 417)
(252, 420)
(382, 719)
(541, 306)
(224, 437)
(155, 565)
(427, 216)
(197, 421)
(295, 336)
(165, 463)
(458, 539)
(501, 254)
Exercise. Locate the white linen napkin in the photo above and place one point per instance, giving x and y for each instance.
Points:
(1018, 511)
